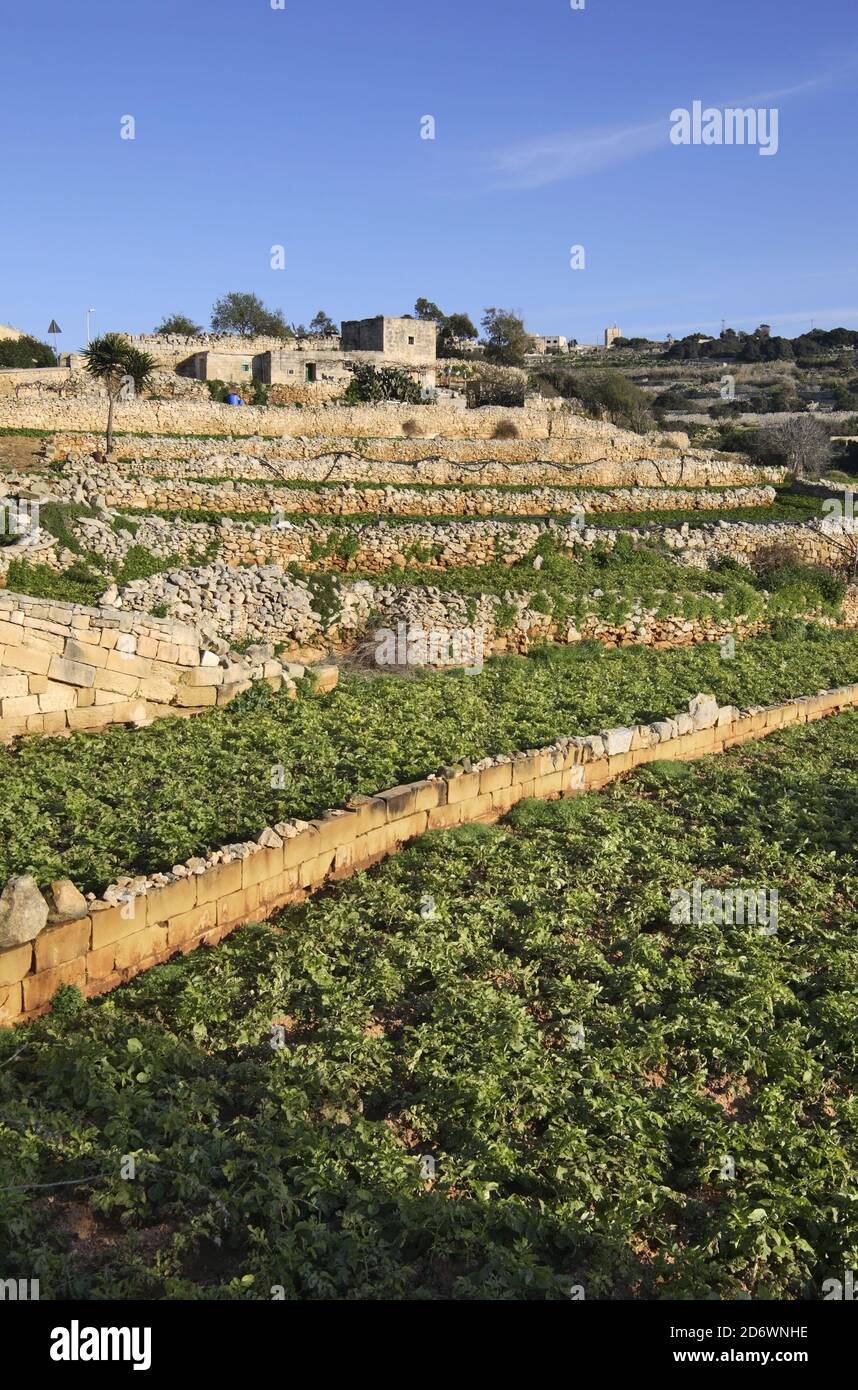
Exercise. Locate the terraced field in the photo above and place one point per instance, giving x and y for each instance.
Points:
(498, 1065)
(520, 561)
(538, 1088)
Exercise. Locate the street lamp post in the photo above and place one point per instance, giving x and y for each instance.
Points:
(88, 313)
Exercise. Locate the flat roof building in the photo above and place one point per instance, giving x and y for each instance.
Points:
(400, 340)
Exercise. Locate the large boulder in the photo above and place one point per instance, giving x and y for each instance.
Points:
(704, 712)
(66, 902)
(23, 912)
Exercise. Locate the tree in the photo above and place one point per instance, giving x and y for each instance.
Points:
(490, 384)
(180, 325)
(506, 339)
(245, 314)
(112, 359)
(26, 352)
(804, 446)
(455, 326)
(322, 326)
(372, 384)
(426, 310)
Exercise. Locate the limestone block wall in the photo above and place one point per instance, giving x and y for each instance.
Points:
(65, 667)
(340, 422)
(13, 377)
(169, 349)
(104, 942)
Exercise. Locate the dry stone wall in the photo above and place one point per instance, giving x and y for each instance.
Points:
(348, 499)
(97, 944)
(444, 545)
(263, 603)
(571, 460)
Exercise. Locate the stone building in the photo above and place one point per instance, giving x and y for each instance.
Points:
(220, 365)
(323, 367)
(401, 340)
(611, 335)
(543, 343)
(303, 366)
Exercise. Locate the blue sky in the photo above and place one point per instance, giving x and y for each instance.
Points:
(300, 127)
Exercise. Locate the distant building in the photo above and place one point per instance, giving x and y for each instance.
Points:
(543, 343)
(611, 335)
(8, 334)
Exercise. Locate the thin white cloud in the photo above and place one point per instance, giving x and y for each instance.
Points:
(565, 155)
(555, 158)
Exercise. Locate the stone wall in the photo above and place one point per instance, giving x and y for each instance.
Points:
(349, 499)
(264, 604)
(338, 422)
(459, 464)
(65, 667)
(171, 349)
(442, 545)
(483, 461)
(97, 944)
(13, 377)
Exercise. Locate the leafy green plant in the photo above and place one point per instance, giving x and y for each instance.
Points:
(94, 806)
(113, 360)
(575, 1065)
(370, 383)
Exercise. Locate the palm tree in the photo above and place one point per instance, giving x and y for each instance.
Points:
(112, 359)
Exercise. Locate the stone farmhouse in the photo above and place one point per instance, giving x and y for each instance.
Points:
(326, 362)
(543, 343)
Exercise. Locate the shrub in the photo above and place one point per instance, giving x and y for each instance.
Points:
(371, 384)
(78, 584)
(26, 352)
(491, 384)
(505, 429)
(779, 570)
(602, 395)
(179, 325)
(140, 563)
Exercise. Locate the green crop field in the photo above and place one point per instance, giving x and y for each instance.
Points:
(94, 806)
(492, 1068)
